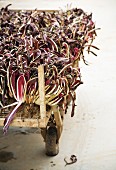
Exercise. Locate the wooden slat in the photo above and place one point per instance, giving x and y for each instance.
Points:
(57, 115)
(41, 82)
(58, 119)
(27, 122)
(22, 122)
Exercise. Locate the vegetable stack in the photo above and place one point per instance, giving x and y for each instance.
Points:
(56, 40)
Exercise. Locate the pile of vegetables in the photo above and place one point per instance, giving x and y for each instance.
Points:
(56, 40)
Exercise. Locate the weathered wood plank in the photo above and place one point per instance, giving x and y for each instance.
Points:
(57, 115)
(58, 119)
(41, 82)
(22, 122)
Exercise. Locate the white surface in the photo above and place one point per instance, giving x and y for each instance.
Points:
(91, 134)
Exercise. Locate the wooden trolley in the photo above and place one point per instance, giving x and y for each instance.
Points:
(50, 118)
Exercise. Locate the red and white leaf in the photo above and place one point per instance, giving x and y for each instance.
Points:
(9, 118)
(13, 81)
(21, 84)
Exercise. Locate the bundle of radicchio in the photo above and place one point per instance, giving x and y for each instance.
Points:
(56, 40)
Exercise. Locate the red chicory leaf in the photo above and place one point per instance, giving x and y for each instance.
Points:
(9, 118)
(21, 84)
(13, 81)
